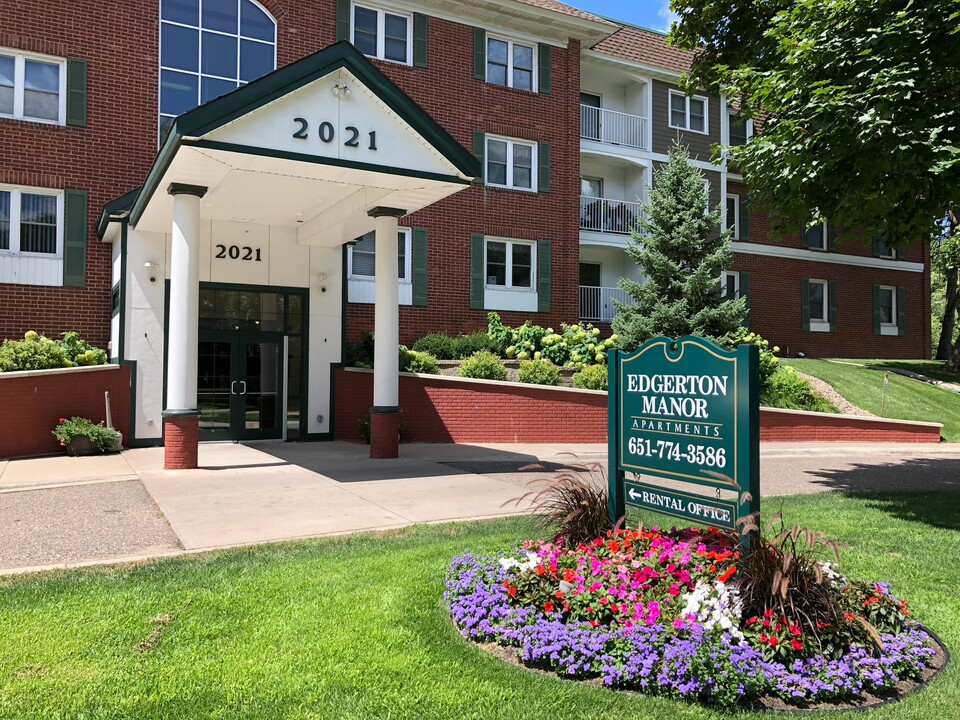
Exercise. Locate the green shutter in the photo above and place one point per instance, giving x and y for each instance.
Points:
(479, 149)
(744, 218)
(420, 40)
(77, 92)
(479, 54)
(876, 310)
(546, 69)
(745, 294)
(831, 237)
(477, 271)
(75, 238)
(544, 274)
(543, 173)
(343, 20)
(805, 302)
(832, 292)
(901, 311)
(419, 266)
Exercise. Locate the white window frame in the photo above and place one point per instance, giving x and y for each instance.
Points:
(891, 253)
(731, 115)
(508, 277)
(16, 191)
(824, 237)
(821, 324)
(892, 327)
(19, 84)
(535, 70)
(407, 264)
(511, 142)
(736, 215)
(381, 30)
(726, 278)
(686, 111)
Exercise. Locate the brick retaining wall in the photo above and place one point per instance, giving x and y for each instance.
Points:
(443, 409)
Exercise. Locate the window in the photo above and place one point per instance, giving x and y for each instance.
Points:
(882, 250)
(32, 87)
(510, 64)
(31, 221)
(887, 306)
(818, 300)
(889, 303)
(730, 285)
(383, 35)
(362, 257)
(591, 116)
(510, 264)
(209, 49)
(740, 131)
(591, 187)
(820, 236)
(688, 113)
(511, 164)
(733, 216)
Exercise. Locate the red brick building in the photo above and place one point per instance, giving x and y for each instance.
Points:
(566, 115)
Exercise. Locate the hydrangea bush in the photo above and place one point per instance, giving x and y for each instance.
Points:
(659, 612)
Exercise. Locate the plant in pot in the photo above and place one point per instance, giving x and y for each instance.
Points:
(81, 436)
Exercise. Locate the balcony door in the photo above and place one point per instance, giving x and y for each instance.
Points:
(590, 116)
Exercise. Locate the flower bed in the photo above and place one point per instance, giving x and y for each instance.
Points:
(661, 613)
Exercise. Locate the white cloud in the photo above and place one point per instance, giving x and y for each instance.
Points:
(666, 16)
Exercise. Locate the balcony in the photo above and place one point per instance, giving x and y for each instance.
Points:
(596, 303)
(608, 216)
(612, 127)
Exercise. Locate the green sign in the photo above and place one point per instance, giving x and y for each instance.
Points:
(685, 410)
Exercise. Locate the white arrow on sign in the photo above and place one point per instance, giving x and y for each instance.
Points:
(633, 494)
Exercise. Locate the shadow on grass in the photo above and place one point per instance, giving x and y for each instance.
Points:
(923, 490)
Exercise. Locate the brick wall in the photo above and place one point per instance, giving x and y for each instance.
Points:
(442, 409)
(34, 402)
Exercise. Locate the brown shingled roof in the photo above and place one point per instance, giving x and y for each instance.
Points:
(645, 46)
(561, 8)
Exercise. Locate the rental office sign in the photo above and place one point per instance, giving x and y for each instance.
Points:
(685, 410)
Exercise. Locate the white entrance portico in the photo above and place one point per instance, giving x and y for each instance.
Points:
(259, 190)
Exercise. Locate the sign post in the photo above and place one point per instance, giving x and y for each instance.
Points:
(685, 410)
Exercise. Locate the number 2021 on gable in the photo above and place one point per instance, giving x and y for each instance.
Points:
(238, 252)
(327, 133)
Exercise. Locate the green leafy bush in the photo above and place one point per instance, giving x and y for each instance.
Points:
(769, 363)
(103, 437)
(483, 365)
(499, 334)
(418, 362)
(538, 372)
(785, 389)
(592, 377)
(440, 345)
(466, 345)
(360, 354)
(37, 352)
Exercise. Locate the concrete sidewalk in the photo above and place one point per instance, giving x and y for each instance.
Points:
(61, 512)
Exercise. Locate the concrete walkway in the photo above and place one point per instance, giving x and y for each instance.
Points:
(65, 512)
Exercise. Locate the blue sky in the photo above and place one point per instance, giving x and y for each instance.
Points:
(653, 14)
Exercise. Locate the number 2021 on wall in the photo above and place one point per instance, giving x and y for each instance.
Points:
(238, 252)
(328, 133)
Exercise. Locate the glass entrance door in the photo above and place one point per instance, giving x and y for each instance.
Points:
(240, 386)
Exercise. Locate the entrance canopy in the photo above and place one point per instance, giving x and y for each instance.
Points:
(315, 145)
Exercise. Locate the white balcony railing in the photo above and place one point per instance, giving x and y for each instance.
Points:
(596, 303)
(610, 126)
(608, 216)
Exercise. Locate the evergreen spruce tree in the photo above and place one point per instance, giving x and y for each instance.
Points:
(681, 255)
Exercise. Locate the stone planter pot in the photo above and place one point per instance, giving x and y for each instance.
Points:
(81, 445)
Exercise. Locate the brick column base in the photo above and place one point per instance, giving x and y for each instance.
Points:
(384, 432)
(181, 438)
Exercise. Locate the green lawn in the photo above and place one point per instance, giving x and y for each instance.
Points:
(906, 399)
(355, 627)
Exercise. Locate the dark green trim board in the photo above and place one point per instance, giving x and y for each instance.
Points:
(115, 211)
(75, 238)
(344, 298)
(476, 271)
(544, 274)
(543, 170)
(545, 69)
(479, 54)
(901, 311)
(121, 348)
(343, 20)
(877, 317)
(420, 32)
(419, 265)
(805, 300)
(77, 92)
(184, 189)
(195, 123)
(832, 303)
(479, 152)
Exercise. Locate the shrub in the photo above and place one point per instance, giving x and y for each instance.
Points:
(80, 352)
(592, 377)
(483, 365)
(103, 437)
(500, 335)
(538, 372)
(418, 362)
(360, 354)
(440, 345)
(36, 352)
(785, 389)
(769, 363)
(466, 345)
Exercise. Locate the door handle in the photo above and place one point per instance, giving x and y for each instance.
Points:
(233, 390)
(243, 390)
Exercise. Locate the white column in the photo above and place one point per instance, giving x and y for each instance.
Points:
(183, 320)
(386, 320)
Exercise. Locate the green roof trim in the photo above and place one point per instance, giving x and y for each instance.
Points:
(244, 100)
(115, 210)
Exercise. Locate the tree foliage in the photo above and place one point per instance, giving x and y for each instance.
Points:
(681, 255)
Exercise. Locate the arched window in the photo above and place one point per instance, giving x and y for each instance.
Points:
(208, 48)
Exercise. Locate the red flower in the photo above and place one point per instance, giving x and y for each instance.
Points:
(766, 623)
(796, 645)
(795, 630)
(506, 583)
(850, 616)
(614, 546)
(512, 591)
(763, 637)
(768, 613)
(751, 621)
(569, 575)
(559, 595)
(774, 641)
(548, 607)
(541, 570)
(728, 573)
(604, 601)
